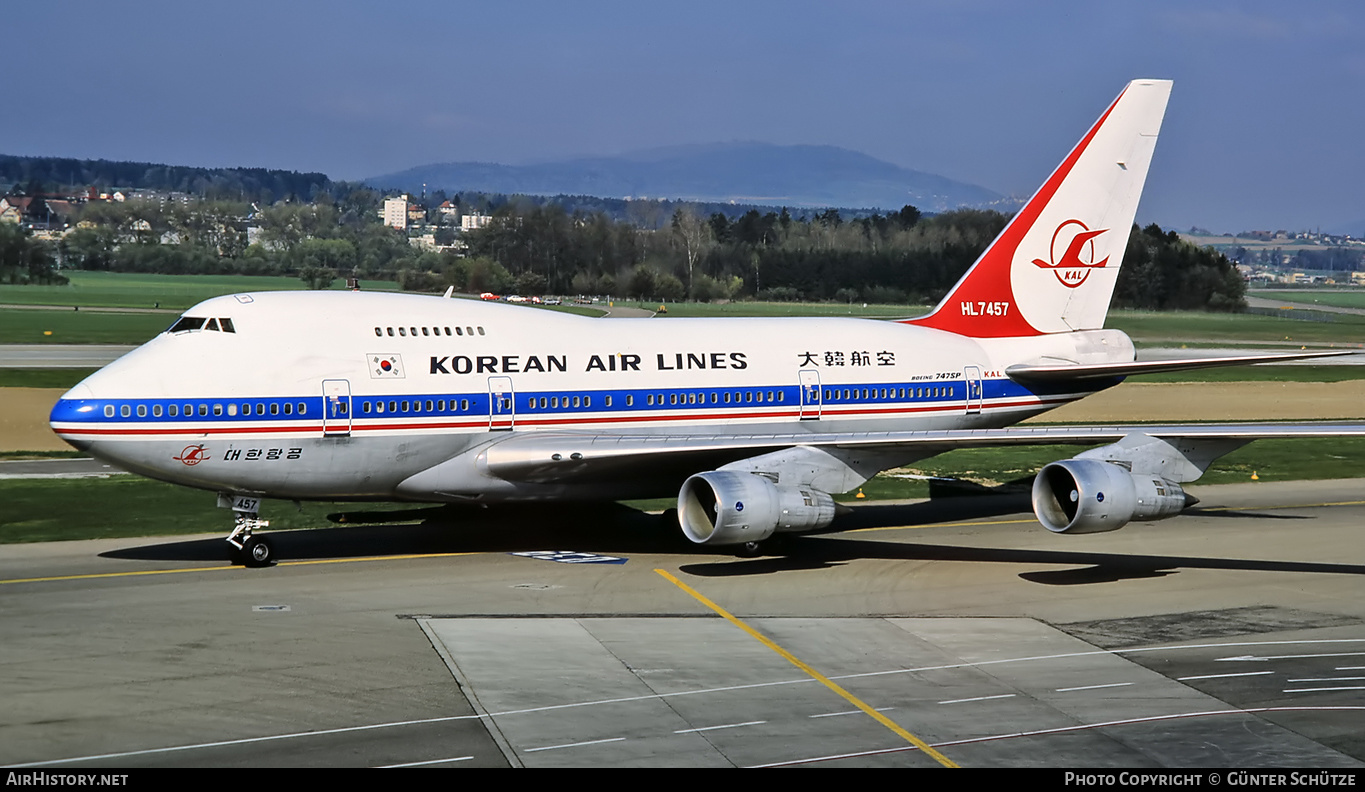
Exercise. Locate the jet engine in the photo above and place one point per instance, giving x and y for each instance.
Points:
(1091, 496)
(723, 507)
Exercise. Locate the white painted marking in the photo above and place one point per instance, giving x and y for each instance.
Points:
(575, 745)
(1327, 679)
(978, 698)
(1094, 687)
(425, 764)
(1323, 690)
(1224, 676)
(1289, 657)
(713, 728)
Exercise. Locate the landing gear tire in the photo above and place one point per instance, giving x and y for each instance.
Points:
(750, 550)
(257, 552)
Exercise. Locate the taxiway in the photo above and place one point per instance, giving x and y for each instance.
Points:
(1233, 636)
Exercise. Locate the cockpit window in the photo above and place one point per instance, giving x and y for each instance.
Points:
(187, 323)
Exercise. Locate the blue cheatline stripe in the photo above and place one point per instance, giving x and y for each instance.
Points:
(946, 394)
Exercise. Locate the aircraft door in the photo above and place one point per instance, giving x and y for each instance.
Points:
(501, 404)
(336, 408)
(810, 395)
(972, 376)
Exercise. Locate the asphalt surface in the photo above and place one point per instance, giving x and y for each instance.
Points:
(1233, 636)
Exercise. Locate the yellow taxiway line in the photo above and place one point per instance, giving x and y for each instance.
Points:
(819, 677)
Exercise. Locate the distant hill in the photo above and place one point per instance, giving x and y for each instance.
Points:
(751, 173)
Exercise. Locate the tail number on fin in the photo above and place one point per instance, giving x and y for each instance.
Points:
(1070, 270)
(983, 308)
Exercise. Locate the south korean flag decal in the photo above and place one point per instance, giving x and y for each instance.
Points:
(384, 366)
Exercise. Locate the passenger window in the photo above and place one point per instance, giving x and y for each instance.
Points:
(393, 406)
(288, 408)
(156, 410)
(464, 404)
(173, 410)
(365, 408)
(428, 405)
(630, 400)
(303, 408)
(447, 331)
(274, 408)
(217, 410)
(424, 331)
(379, 332)
(203, 409)
(608, 401)
(459, 331)
(575, 401)
(379, 407)
(402, 332)
(470, 330)
(390, 331)
(480, 331)
(260, 408)
(232, 410)
(142, 411)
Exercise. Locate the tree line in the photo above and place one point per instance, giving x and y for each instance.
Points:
(537, 246)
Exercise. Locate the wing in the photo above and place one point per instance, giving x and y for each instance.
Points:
(572, 457)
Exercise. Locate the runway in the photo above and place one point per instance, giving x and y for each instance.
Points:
(1229, 637)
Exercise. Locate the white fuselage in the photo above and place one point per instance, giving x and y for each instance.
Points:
(340, 395)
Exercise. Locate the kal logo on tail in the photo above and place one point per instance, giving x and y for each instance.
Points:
(1070, 270)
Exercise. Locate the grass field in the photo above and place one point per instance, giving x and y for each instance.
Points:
(137, 290)
(1336, 298)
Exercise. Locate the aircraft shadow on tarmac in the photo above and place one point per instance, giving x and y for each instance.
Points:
(616, 529)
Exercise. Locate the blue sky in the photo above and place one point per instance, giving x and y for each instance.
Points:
(1264, 129)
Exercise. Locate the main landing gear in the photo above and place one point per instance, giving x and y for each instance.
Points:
(247, 548)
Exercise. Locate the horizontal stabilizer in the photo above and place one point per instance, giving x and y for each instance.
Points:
(1065, 372)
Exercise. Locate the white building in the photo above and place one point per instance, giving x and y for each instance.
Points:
(472, 221)
(396, 212)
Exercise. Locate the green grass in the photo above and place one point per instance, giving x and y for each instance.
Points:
(1195, 328)
(50, 510)
(42, 378)
(24, 326)
(1260, 374)
(1337, 298)
(748, 308)
(168, 292)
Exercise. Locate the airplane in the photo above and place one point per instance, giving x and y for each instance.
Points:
(753, 422)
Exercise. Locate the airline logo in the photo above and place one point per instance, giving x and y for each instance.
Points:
(383, 366)
(192, 455)
(1073, 241)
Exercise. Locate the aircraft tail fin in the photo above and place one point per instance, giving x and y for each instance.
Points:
(1053, 268)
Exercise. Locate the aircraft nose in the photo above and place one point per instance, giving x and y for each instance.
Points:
(75, 407)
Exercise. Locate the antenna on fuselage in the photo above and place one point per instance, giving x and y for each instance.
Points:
(450, 292)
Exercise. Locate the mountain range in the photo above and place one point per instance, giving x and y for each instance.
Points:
(743, 172)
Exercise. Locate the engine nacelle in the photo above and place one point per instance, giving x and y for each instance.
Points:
(1090, 496)
(723, 507)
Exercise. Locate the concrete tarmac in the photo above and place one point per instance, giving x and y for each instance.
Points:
(1233, 636)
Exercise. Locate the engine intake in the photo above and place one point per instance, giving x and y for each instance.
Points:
(1090, 496)
(723, 507)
